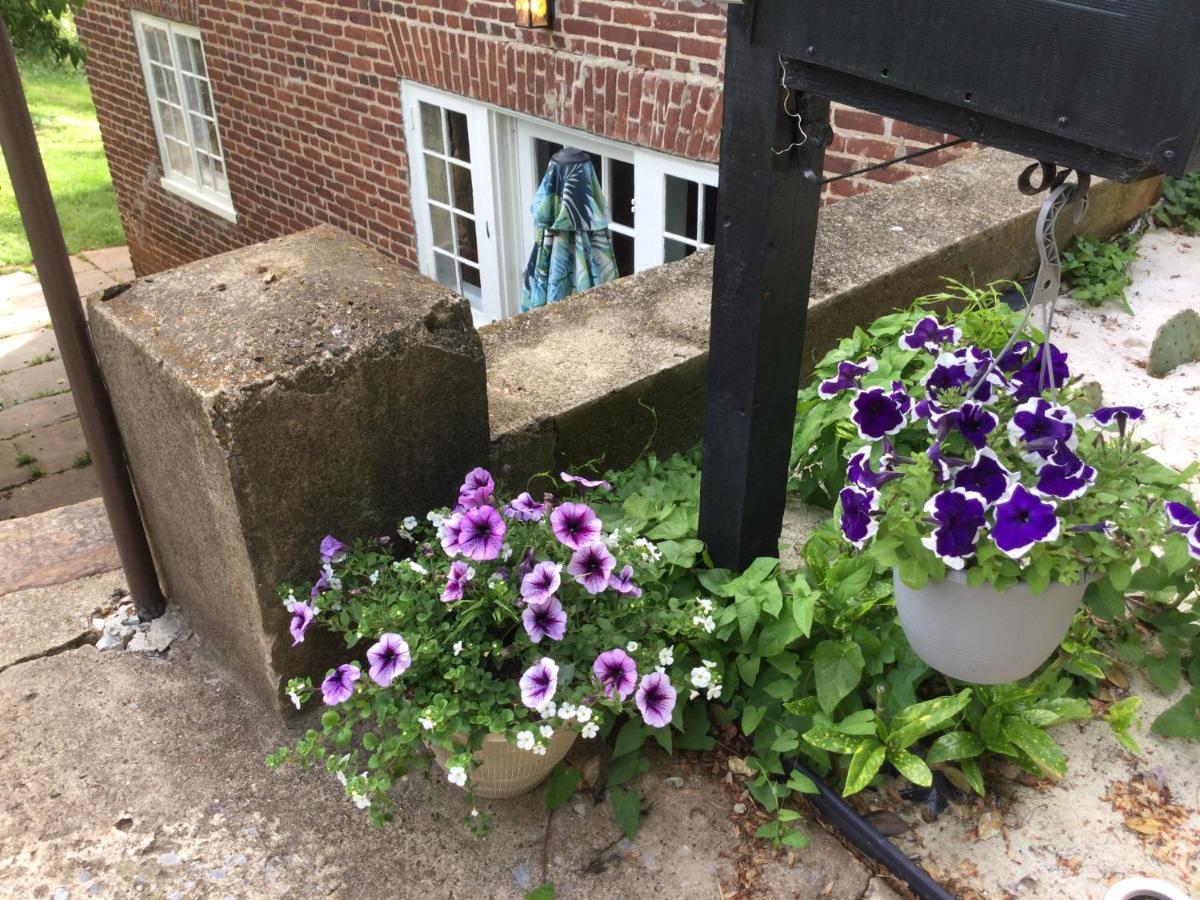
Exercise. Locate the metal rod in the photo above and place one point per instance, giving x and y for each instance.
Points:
(19, 144)
(817, 179)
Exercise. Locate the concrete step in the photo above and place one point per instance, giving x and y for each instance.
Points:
(57, 546)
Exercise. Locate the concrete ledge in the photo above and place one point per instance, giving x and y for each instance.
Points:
(599, 376)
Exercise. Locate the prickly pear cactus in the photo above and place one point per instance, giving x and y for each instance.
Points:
(1177, 343)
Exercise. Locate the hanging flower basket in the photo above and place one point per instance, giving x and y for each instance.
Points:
(504, 771)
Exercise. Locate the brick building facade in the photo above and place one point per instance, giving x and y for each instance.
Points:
(310, 96)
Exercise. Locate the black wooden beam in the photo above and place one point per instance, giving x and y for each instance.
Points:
(767, 222)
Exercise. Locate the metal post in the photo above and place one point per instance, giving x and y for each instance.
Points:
(53, 265)
(767, 215)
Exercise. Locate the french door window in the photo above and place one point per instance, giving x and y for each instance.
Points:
(474, 170)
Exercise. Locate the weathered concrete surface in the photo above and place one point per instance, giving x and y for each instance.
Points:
(599, 375)
(43, 620)
(272, 395)
(154, 785)
(52, 547)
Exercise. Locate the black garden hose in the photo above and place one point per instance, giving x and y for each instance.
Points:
(859, 832)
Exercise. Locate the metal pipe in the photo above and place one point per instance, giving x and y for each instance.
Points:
(19, 144)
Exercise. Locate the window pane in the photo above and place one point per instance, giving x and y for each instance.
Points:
(431, 128)
(443, 235)
(222, 182)
(435, 179)
(444, 270)
(183, 51)
(464, 197)
(158, 48)
(673, 251)
(165, 86)
(468, 246)
(460, 140)
(623, 250)
(203, 135)
(470, 277)
(709, 235)
(194, 60)
(197, 96)
(543, 150)
(172, 121)
(620, 192)
(683, 207)
(179, 158)
(206, 171)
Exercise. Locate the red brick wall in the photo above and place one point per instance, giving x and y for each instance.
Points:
(307, 95)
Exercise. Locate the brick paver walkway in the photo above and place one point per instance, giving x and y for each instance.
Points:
(43, 460)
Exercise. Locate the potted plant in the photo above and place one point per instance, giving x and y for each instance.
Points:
(1009, 498)
(493, 634)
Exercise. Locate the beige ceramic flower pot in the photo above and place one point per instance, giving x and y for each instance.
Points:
(506, 771)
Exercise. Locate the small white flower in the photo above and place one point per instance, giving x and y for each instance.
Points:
(708, 663)
(539, 750)
(335, 583)
(613, 539)
(458, 647)
(701, 677)
(714, 692)
(590, 730)
(470, 573)
(494, 579)
(705, 603)
(666, 656)
(417, 567)
(409, 523)
(397, 566)
(567, 710)
(435, 518)
(583, 715)
(289, 602)
(709, 625)
(295, 698)
(547, 709)
(526, 740)
(474, 814)
(661, 670)
(693, 694)
(457, 776)
(426, 721)
(360, 800)
(547, 731)
(632, 646)
(341, 777)
(374, 576)
(505, 552)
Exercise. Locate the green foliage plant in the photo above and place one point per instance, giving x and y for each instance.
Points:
(43, 29)
(1097, 270)
(1179, 207)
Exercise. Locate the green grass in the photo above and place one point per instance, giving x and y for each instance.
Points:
(69, 139)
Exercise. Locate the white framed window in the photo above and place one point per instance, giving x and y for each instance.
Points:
(662, 208)
(185, 120)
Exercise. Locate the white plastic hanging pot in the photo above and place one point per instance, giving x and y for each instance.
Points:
(982, 635)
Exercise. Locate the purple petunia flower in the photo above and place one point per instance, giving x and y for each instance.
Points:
(539, 683)
(948, 373)
(584, 482)
(623, 583)
(959, 516)
(591, 565)
(860, 473)
(1027, 383)
(547, 619)
(1105, 415)
(525, 509)
(986, 476)
(876, 413)
(574, 524)
(1022, 520)
(482, 533)
(1015, 357)
(449, 532)
(339, 684)
(387, 659)
(975, 423)
(456, 585)
(847, 377)
(928, 334)
(318, 586)
(1041, 427)
(656, 699)
(900, 395)
(541, 583)
(477, 489)
(1181, 516)
(332, 550)
(616, 672)
(302, 617)
(858, 522)
(1064, 476)
(525, 566)
(943, 466)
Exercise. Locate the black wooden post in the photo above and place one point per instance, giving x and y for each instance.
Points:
(767, 215)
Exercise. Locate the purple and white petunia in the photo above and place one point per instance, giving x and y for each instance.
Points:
(545, 620)
(623, 584)
(900, 395)
(1064, 476)
(1026, 383)
(1181, 516)
(539, 683)
(929, 334)
(959, 515)
(477, 489)
(860, 473)
(332, 550)
(591, 565)
(1023, 520)
(574, 524)
(584, 482)
(449, 532)
(482, 533)
(985, 476)
(456, 585)
(974, 422)
(387, 659)
(617, 673)
(524, 508)
(848, 376)
(655, 699)
(339, 684)
(1015, 357)
(944, 466)
(541, 583)
(876, 413)
(1106, 415)
(949, 373)
(302, 617)
(1040, 427)
(857, 519)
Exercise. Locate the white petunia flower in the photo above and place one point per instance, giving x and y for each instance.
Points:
(705, 603)
(701, 677)
(374, 577)
(295, 698)
(632, 646)
(547, 731)
(539, 750)
(547, 709)
(583, 715)
(435, 518)
(526, 740)
(409, 523)
(418, 568)
(666, 656)
(590, 730)
(714, 692)
(458, 647)
(567, 710)
(457, 776)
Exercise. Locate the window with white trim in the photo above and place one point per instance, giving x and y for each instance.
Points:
(662, 208)
(181, 105)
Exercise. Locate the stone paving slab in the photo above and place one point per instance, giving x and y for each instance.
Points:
(18, 351)
(12, 474)
(53, 547)
(23, 320)
(26, 384)
(109, 259)
(57, 447)
(33, 414)
(42, 620)
(63, 489)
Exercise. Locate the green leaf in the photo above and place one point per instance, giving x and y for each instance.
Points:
(777, 636)
(625, 768)
(973, 774)
(1176, 554)
(1120, 574)
(541, 892)
(825, 738)
(918, 720)
(864, 766)
(627, 809)
(861, 723)
(1120, 718)
(837, 668)
(562, 784)
(796, 839)
(751, 718)
(954, 745)
(767, 830)
(630, 738)
(1038, 746)
(695, 734)
(1182, 719)
(804, 605)
(1165, 672)
(747, 667)
(1104, 600)
(802, 784)
(748, 607)
(910, 766)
